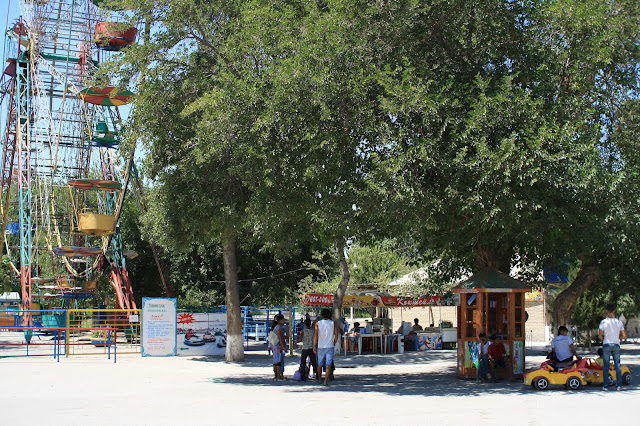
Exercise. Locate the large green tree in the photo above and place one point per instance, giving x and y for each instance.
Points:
(486, 129)
(503, 126)
(194, 116)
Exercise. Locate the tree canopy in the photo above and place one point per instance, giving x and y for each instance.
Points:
(500, 133)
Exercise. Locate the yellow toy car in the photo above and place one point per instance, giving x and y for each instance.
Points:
(595, 373)
(571, 377)
(581, 372)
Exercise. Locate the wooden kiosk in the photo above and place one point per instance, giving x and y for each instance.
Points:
(491, 302)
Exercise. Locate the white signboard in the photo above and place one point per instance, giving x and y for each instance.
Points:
(202, 334)
(159, 323)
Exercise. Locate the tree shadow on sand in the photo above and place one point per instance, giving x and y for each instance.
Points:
(444, 382)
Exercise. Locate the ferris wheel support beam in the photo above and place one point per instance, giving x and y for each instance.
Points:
(24, 181)
(7, 163)
(57, 74)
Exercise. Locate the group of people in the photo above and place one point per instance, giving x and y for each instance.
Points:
(318, 342)
(491, 354)
(611, 331)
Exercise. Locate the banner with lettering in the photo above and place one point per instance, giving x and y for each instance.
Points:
(315, 299)
(395, 301)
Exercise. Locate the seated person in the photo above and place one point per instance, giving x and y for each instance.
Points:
(562, 350)
(483, 357)
(497, 355)
(416, 326)
(353, 334)
(355, 329)
(599, 360)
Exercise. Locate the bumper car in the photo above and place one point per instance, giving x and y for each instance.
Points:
(209, 337)
(194, 341)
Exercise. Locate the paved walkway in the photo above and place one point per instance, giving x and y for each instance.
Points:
(410, 388)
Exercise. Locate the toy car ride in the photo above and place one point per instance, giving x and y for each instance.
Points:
(595, 373)
(573, 375)
(570, 376)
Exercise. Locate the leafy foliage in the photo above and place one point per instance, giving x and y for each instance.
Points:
(490, 133)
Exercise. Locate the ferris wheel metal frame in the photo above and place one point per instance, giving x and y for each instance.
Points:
(53, 134)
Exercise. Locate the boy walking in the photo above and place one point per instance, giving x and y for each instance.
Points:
(324, 340)
(611, 330)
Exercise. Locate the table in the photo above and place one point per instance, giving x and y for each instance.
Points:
(388, 342)
(360, 337)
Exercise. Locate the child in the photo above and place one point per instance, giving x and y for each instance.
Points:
(306, 336)
(497, 355)
(483, 357)
(599, 359)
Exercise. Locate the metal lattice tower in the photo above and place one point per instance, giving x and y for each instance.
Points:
(48, 134)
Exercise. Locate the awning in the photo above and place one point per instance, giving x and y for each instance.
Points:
(12, 296)
(367, 300)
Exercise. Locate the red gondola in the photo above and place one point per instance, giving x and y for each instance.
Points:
(114, 36)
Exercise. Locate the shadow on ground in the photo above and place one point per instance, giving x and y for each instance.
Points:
(353, 361)
(432, 384)
(438, 383)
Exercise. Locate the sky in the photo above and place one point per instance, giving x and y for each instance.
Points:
(10, 11)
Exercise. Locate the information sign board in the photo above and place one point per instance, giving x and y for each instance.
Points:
(159, 323)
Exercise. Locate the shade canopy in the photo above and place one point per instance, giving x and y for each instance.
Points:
(106, 96)
(72, 251)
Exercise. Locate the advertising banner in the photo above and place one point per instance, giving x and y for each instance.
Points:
(158, 326)
(201, 334)
(395, 301)
(536, 295)
(518, 357)
(315, 299)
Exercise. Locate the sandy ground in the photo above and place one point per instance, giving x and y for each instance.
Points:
(410, 388)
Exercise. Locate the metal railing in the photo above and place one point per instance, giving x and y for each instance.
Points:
(68, 332)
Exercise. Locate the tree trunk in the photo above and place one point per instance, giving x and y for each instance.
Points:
(344, 282)
(563, 305)
(488, 258)
(235, 346)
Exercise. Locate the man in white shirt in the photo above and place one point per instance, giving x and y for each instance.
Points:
(562, 346)
(324, 340)
(611, 330)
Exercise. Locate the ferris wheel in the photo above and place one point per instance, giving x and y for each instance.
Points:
(63, 175)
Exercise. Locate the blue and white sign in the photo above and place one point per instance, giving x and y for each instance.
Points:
(159, 324)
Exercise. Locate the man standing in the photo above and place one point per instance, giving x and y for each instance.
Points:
(611, 330)
(324, 340)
